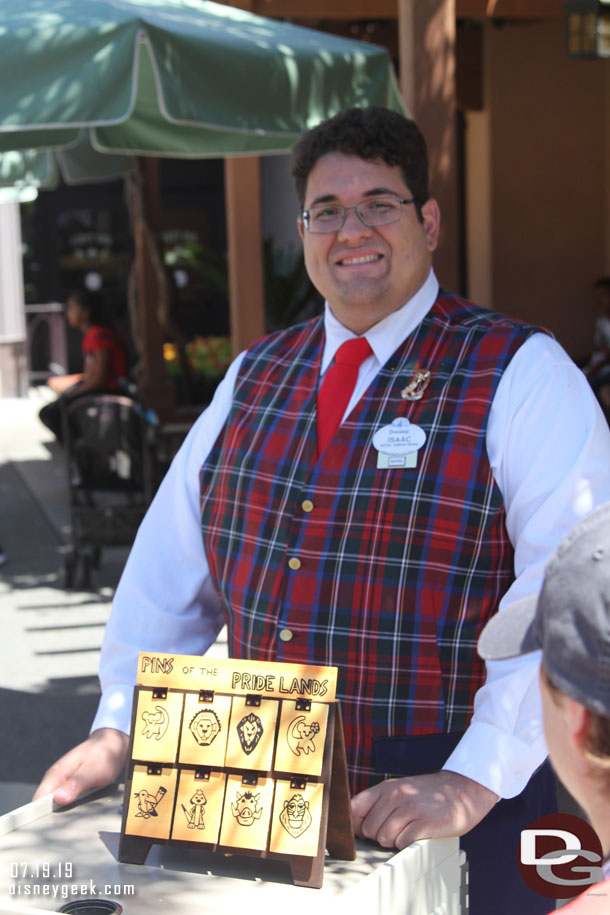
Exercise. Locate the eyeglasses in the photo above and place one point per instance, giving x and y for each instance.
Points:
(376, 211)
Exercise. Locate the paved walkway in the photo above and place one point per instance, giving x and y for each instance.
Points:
(49, 638)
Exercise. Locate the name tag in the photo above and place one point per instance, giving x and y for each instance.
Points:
(398, 443)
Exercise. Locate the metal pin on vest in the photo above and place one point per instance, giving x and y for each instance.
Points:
(420, 380)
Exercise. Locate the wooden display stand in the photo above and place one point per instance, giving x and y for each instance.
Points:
(243, 757)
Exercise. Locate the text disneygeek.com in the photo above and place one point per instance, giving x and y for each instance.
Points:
(67, 890)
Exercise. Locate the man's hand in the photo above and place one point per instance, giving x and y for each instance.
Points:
(399, 811)
(92, 764)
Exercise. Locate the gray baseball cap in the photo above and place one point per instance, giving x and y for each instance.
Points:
(569, 620)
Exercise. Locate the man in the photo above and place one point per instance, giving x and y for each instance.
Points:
(469, 444)
(570, 622)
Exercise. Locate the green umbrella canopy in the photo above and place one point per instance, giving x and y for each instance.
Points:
(91, 82)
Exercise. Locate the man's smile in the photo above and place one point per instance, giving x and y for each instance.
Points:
(351, 259)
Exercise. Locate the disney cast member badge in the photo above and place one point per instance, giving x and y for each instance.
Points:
(398, 444)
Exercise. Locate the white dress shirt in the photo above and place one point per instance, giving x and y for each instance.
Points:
(549, 448)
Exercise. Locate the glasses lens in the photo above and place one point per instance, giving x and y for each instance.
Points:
(379, 211)
(325, 218)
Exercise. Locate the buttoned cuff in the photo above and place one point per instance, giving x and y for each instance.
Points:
(114, 710)
(495, 759)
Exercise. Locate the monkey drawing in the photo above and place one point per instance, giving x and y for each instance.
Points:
(300, 735)
(155, 723)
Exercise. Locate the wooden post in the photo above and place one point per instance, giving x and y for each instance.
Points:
(154, 388)
(245, 250)
(427, 80)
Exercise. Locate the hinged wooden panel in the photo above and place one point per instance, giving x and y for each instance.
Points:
(300, 743)
(205, 729)
(297, 814)
(199, 805)
(151, 802)
(247, 813)
(252, 734)
(157, 726)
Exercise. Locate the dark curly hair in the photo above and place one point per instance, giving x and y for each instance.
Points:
(369, 133)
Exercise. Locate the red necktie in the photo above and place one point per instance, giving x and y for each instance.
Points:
(337, 387)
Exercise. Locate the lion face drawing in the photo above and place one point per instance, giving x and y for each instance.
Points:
(295, 816)
(205, 727)
(249, 730)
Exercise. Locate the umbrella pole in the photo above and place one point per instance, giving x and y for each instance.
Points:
(245, 247)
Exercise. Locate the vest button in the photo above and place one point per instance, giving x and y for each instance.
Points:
(286, 635)
(294, 563)
(307, 505)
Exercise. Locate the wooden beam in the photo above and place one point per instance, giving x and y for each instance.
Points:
(245, 244)
(319, 9)
(388, 9)
(509, 9)
(427, 80)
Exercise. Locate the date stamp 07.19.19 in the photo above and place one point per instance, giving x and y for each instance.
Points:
(58, 880)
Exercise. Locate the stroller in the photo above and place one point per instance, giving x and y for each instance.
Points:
(109, 464)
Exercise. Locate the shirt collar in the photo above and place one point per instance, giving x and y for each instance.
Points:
(385, 336)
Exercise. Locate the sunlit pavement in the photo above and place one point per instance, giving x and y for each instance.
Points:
(49, 637)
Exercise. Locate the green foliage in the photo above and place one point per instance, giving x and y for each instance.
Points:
(289, 293)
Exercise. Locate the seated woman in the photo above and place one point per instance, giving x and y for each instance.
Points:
(104, 358)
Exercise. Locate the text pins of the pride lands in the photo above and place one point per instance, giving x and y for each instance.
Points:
(295, 824)
(251, 734)
(205, 728)
(199, 806)
(157, 725)
(247, 812)
(151, 802)
(300, 743)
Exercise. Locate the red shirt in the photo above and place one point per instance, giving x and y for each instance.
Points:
(99, 337)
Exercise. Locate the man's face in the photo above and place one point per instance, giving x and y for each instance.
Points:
(365, 272)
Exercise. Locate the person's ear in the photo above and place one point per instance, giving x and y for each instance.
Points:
(577, 718)
(301, 228)
(431, 221)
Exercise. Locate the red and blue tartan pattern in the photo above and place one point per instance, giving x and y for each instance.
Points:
(400, 568)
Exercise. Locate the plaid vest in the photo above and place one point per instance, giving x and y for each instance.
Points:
(389, 574)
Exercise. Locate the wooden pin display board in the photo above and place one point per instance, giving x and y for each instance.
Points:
(238, 756)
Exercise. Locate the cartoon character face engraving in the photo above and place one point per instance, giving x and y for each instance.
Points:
(205, 726)
(300, 735)
(155, 723)
(245, 808)
(295, 816)
(250, 731)
(147, 802)
(194, 815)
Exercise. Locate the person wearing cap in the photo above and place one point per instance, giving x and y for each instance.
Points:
(466, 445)
(570, 624)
